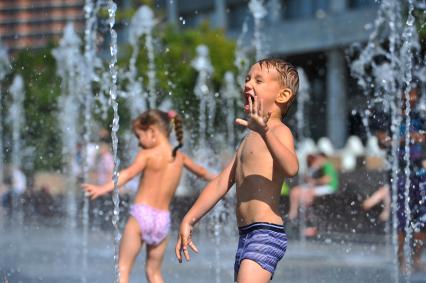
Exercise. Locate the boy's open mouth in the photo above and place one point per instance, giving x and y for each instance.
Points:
(248, 96)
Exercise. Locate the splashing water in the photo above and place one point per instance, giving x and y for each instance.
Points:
(112, 8)
(16, 118)
(68, 120)
(421, 106)
(135, 94)
(230, 93)
(241, 58)
(142, 24)
(259, 12)
(4, 69)
(388, 78)
(302, 98)
(70, 70)
(88, 76)
(203, 92)
(408, 49)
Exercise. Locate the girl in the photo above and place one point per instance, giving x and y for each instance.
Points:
(162, 168)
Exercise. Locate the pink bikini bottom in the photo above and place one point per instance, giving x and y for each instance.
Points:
(154, 223)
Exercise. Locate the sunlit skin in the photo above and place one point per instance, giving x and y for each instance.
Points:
(265, 157)
(382, 195)
(161, 175)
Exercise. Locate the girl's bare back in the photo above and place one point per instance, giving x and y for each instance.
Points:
(160, 178)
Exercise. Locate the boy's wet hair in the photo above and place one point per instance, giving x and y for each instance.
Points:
(288, 75)
(167, 121)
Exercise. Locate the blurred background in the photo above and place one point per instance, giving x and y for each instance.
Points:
(358, 62)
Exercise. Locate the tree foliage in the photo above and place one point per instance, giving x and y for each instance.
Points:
(41, 86)
(174, 51)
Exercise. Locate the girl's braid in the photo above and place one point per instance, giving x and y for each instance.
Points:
(176, 121)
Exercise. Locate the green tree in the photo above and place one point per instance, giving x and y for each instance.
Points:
(175, 49)
(42, 88)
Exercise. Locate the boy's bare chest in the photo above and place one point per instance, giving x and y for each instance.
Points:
(253, 150)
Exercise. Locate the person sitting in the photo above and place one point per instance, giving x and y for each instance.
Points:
(321, 179)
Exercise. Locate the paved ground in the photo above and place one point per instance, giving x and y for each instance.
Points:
(41, 253)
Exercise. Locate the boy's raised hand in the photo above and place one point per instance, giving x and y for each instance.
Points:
(184, 240)
(256, 121)
(93, 191)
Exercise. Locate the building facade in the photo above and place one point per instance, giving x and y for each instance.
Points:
(312, 34)
(33, 24)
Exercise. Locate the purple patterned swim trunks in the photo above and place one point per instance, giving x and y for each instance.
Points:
(154, 223)
(262, 242)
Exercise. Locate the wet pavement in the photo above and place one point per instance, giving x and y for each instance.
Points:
(46, 253)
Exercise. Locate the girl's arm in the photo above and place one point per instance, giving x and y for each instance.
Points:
(124, 176)
(212, 193)
(197, 169)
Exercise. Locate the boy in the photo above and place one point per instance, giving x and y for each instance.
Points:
(265, 157)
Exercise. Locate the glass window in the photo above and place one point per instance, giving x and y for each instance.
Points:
(321, 5)
(361, 3)
(293, 9)
(297, 9)
(236, 15)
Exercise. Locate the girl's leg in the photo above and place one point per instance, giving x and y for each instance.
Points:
(154, 259)
(130, 246)
(251, 272)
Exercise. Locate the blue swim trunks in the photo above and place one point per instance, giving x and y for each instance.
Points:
(262, 242)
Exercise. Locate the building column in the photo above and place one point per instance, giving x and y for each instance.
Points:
(336, 98)
(172, 11)
(220, 20)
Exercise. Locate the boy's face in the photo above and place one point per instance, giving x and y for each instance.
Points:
(263, 82)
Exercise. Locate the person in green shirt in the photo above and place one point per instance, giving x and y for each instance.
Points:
(321, 179)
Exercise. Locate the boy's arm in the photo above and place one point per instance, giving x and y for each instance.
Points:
(212, 193)
(279, 141)
(196, 169)
(124, 176)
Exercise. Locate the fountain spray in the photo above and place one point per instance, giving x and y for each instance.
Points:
(258, 10)
(17, 118)
(4, 69)
(112, 8)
